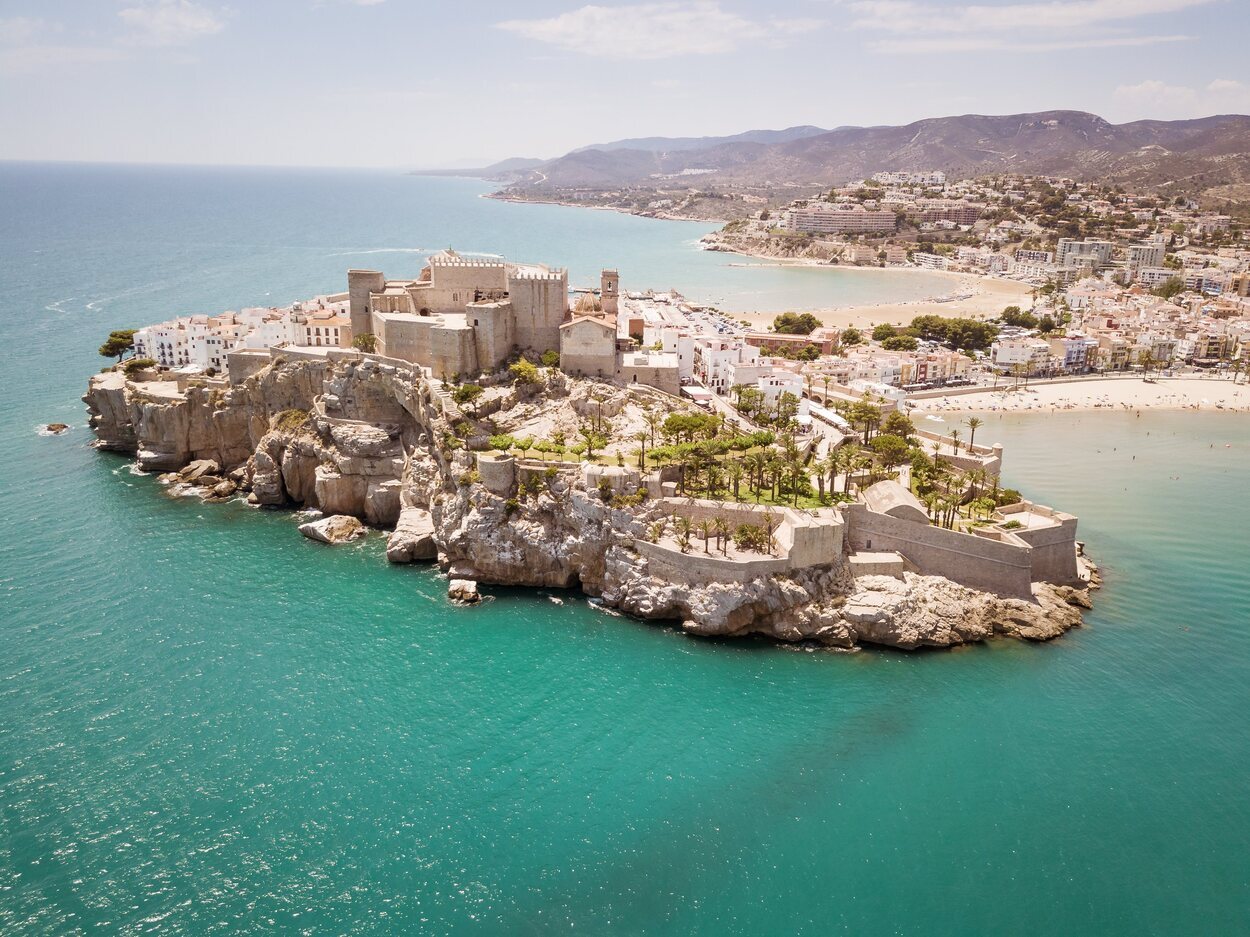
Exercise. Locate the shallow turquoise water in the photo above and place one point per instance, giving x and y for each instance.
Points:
(211, 725)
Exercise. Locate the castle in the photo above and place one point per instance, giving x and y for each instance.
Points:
(464, 316)
(461, 316)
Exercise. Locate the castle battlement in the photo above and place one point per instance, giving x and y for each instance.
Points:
(437, 261)
(549, 276)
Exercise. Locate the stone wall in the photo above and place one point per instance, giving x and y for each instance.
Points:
(1053, 549)
(664, 379)
(493, 332)
(452, 352)
(999, 566)
(699, 568)
(805, 539)
(498, 473)
(539, 302)
(360, 283)
(242, 364)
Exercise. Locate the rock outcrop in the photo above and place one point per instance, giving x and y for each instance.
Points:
(413, 538)
(464, 591)
(337, 528)
(369, 441)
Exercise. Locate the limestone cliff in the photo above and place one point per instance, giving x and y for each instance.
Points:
(350, 435)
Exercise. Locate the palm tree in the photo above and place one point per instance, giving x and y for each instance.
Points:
(705, 527)
(795, 466)
(656, 530)
(641, 439)
(770, 525)
(820, 467)
(658, 458)
(757, 462)
(722, 534)
(826, 381)
(653, 421)
(775, 466)
(684, 528)
(931, 502)
(974, 423)
(858, 465)
(736, 471)
(955, 441)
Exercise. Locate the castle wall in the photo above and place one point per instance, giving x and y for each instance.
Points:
(1053, 548)
(404, 336)
(453, 351)
(698, 568)
(998, 566)
(539, 302)
(360, 283)
(805, 540)
(493, 332)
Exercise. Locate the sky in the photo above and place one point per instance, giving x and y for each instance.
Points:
(458, 83)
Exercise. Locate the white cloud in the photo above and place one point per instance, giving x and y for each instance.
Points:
(1004, 44)
(1159, 99)
(170, 22)
(656, 30)
(20, 29)
(1050, 26)
(34, 58)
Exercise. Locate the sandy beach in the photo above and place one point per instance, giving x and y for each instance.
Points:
(977, 297)
(1179, 393)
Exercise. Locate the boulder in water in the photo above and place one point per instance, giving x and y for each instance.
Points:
(337, 528)
(413, 537)
(463, 590)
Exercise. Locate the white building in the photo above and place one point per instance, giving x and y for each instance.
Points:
(827, 218)
(1032, 353)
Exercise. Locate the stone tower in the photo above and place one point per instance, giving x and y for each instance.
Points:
(609, 288)
(360, 283)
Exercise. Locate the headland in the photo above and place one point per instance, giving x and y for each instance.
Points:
(517, 439)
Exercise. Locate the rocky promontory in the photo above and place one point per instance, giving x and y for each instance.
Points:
(354, 436)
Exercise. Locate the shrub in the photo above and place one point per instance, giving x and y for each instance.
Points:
(551, 358)
(288, 421)
(467, 395)
(137, 364)
(751, 537)
(366, 342)
(1012, 525)
(1009, 496)
(524, 373)
(511, 506)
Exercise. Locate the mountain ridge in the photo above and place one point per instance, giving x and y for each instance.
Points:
(1185, 155)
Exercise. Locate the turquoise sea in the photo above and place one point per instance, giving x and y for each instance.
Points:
(210, 725)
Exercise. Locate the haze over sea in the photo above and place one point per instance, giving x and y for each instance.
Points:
(210, 725)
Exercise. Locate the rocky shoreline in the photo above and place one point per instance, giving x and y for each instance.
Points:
(376, 441)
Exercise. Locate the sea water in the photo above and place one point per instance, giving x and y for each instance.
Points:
(211, 725)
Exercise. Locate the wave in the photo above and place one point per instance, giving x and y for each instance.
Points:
(385, 250)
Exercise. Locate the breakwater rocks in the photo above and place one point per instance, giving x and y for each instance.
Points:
(357, 437)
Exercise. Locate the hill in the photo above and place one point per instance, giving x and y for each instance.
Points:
(1189, 156)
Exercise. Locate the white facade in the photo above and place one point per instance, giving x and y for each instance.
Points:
(825, 218)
